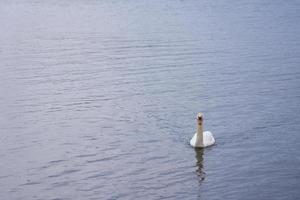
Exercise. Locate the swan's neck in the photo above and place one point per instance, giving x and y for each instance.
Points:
(200, 133)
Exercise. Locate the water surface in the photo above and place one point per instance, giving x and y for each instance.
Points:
(99, 98)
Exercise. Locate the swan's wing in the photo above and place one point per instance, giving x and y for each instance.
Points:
(208, 138)
(193, 140)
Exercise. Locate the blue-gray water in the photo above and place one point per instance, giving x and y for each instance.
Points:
(99, 99)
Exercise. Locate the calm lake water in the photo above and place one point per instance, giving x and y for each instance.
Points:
(99, 99)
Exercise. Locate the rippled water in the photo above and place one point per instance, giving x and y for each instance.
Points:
(99, 98)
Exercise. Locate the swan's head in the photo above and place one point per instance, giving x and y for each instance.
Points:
(200, 118)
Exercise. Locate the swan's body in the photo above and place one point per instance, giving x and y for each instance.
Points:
(202, 138)
(208, 140)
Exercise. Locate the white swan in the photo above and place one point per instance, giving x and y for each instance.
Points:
(202, 139)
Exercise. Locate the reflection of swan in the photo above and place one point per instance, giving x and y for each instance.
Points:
(202, 139)
(199, 164)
